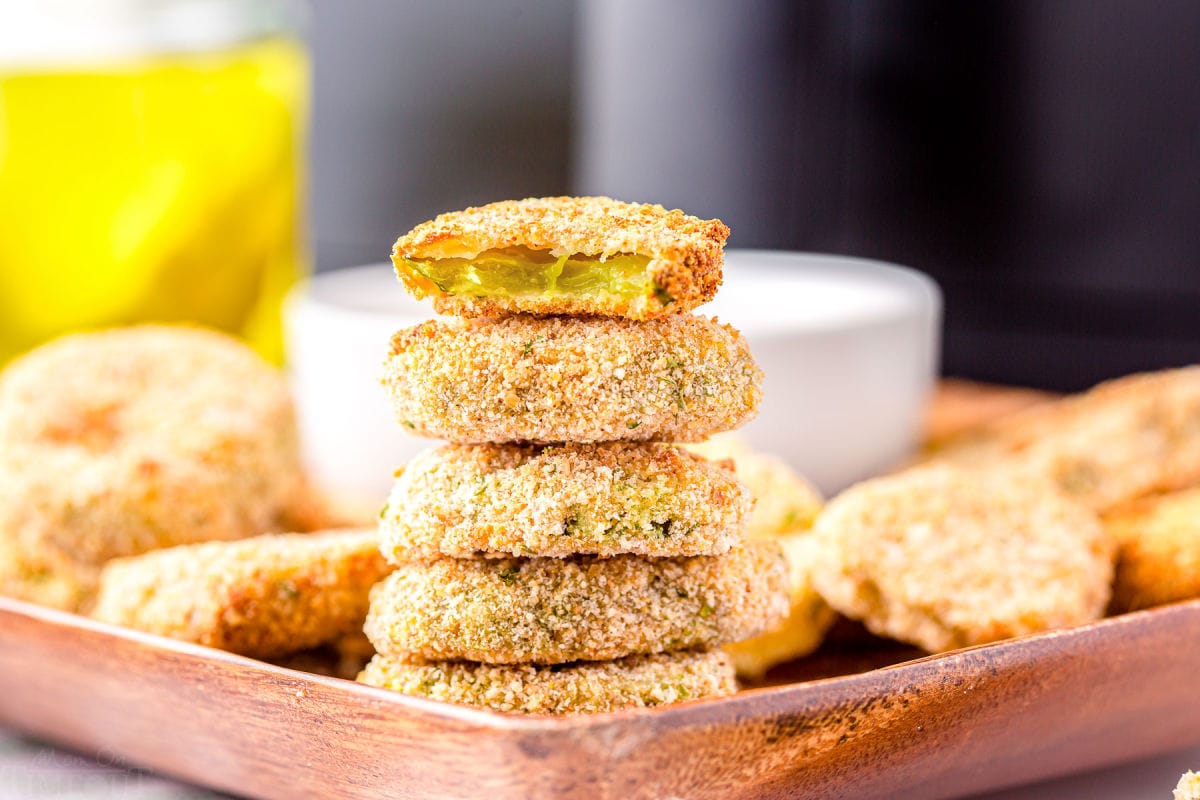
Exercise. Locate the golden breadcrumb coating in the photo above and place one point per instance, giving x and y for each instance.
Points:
(571, 379)
(1188, 787)
(1121, 440)
(551, 610)
(943, 558)
(1158, 541)
(46, 577)
(684, 270)
(783, 501)
(264, 597)
(562, 500)
(808, 617)
(583, 687)
(128, 440)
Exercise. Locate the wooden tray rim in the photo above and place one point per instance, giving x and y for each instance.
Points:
(770, 699)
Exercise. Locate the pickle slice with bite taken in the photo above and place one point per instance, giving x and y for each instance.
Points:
(563, 255)
(519, 271)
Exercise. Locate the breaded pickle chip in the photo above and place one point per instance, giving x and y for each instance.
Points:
(1158, 540)
(555, 610)
(562, 500)
(943, 558)
(556, 379)
(808, 617)
(563, 255)
(264, 597)
(592, 687)
(1188, 787)
(46, 577)
(1119, 441)
(123, 441)
(783, 500)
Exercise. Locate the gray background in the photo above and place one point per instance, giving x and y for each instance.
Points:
(1041, 161)
(422, 107)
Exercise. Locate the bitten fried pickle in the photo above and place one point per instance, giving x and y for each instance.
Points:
(563, 255)
(945, 559)
(555, 379)
(1158, 540)
(583, 687)
(601, 499)
(264, 597)
(128, 440)
(552, 610)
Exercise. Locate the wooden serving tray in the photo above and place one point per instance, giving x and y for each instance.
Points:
(942, 726)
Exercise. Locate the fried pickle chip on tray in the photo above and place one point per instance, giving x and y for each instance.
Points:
(802, 630)
(555, 610)
(44, 577)
(783, 500)
(586, 686)
(563, 255)
(562, 500)
(264, 597)
(1119, 441)
(1158, 540)
(1188, 787)
(128, 440)
(556, 379)
(943, 558)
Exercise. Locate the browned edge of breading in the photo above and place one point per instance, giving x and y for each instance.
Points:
(548, 380)
(265, 597)
(582, 687)
(652, 499)
(551, 610)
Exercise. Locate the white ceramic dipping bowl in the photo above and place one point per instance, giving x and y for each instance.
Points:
(337, 326)
(849, 348)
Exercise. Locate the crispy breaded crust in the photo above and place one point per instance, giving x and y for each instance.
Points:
(633, 682)
(123, 441)
(1188, 787)
(944, 559)
(262, 597)
(686, 252)
(551, 610)
(1119, 441)
(557, 379)
(783, 501)
(808, 617)
(562, 500)
(1158, 540)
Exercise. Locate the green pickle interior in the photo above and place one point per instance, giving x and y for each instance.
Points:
(519, 271)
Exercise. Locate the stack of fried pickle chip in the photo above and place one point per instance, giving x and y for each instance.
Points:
(560, 554)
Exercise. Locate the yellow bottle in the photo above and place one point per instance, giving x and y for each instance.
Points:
(158, 185)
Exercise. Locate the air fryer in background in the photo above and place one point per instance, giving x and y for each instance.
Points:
(1040, 160)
